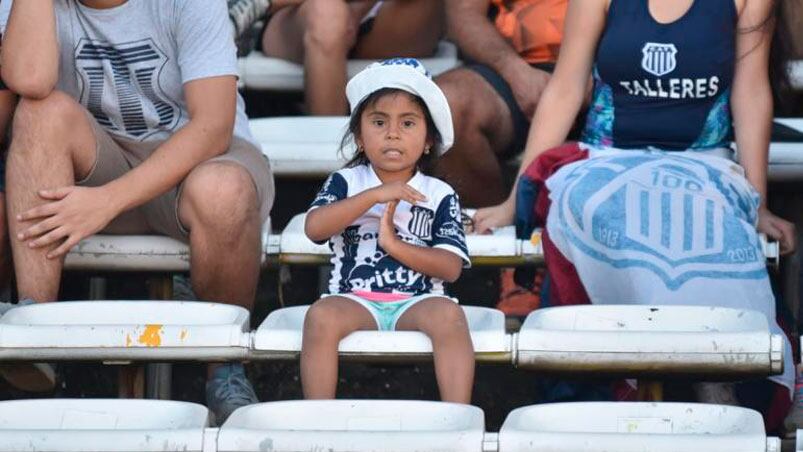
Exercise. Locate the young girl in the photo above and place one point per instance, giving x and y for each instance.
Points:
(396, 234)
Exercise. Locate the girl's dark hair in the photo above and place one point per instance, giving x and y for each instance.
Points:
(424, 164)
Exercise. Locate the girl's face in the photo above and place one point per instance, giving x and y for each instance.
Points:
(393, 135)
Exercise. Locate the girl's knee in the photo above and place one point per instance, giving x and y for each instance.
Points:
(444, 317)
(325, 322)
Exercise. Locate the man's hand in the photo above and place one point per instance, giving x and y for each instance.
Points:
(70, 215)
(527, 84)
(777, 228)
(387, 232)
(397, 191)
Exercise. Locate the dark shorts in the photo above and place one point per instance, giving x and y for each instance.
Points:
(521, 123)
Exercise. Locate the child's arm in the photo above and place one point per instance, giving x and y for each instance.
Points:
(434, 262)
(328, 220)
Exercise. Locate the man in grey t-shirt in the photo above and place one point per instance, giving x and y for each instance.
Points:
(130, 122)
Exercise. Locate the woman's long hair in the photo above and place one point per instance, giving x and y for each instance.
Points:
(780, 52)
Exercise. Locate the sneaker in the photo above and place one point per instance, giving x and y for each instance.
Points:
(182, 289)
(515, 300)
(716, 393)
(227, 390)
(794, 419)
(245, 13)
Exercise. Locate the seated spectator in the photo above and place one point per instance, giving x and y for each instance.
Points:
(323, 34)
(130, 122)
(493, 97)
(20, 377)
(649, 208)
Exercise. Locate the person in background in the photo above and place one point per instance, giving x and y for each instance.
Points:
(323, 34)
(129, 122)
(649, 208)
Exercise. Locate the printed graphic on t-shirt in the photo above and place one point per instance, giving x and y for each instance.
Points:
(360, 263)
(376, 272)
(121, 87)
(421, 222)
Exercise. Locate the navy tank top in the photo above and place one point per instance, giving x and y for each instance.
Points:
(665, 86)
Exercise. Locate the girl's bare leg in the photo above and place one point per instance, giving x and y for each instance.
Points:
(328, 321)
(445, 323)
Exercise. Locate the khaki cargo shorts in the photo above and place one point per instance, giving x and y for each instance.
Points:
(160, 215)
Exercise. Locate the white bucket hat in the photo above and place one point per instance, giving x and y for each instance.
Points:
(406, 74)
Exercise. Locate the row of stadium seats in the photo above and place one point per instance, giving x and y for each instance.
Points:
(307, 146)
(259, 72)
(378, 425)
(162, 254)
(633, 341)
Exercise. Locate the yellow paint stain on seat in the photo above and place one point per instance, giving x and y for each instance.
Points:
(183, 335)
(152, 336)
(128, 340)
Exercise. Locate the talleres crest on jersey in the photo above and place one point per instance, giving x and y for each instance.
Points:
(121, 87)
(659, 59)
(677, 217)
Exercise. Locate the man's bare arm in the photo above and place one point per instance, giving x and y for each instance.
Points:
(30, 51)
(75, 213)
(212, 104)
(468, 26)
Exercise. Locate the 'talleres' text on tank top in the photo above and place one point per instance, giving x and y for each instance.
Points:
(664, 85)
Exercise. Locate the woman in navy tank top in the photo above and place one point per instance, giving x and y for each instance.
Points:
(649, 207)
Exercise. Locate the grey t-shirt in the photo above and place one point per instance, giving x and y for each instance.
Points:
(127, 65)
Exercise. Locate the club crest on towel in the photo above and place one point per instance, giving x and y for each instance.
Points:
(678, 217)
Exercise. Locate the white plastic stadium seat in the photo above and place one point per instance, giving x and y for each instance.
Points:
(354, 426)
(305, 146)
(786, 158)
(125, 331)
(499, 248)
(279, 336)
(148, 253)
(264, 73)
(107, 425)
(649, 340)
(635, 427)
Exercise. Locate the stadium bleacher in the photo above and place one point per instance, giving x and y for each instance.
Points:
(273, 74)
(633, 341)
(373, 425)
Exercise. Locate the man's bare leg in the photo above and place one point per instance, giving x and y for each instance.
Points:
(483, 131)
(53, 145)
(218, 205)
(403, 28)
(319, 34)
